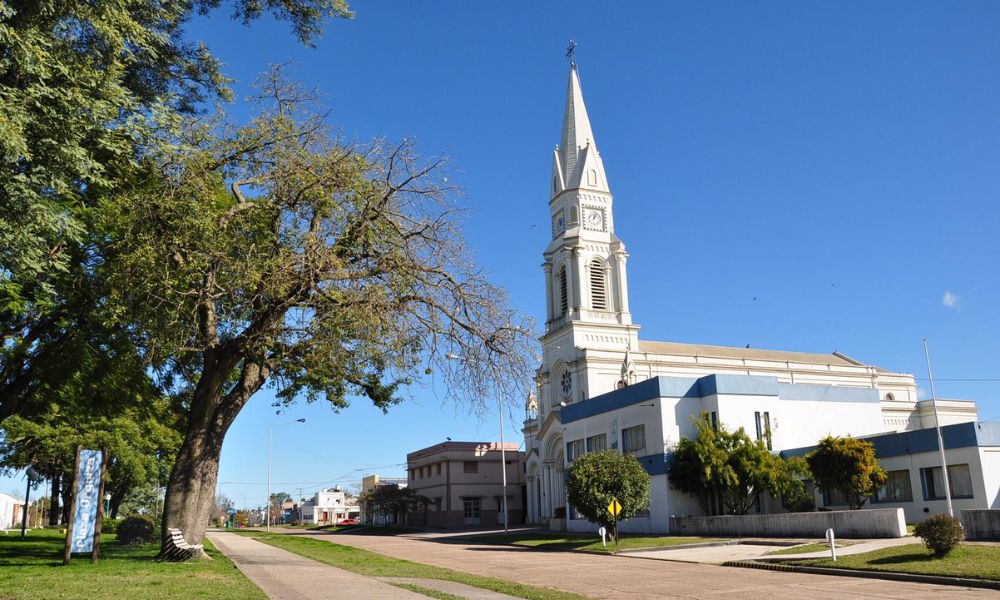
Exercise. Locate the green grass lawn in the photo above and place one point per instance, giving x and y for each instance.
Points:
(816, 547)
(372, 564)
(31, 567)
(555, 541)
(979, 562)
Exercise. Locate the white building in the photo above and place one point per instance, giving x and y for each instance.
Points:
(10, 511)
(600, 386)
(328, 507)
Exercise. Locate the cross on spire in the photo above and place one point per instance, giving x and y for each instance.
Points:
(571, 53)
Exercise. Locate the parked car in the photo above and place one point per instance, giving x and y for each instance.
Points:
(351, 521)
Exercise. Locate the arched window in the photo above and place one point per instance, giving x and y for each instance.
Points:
(598, 288)
(563, 298)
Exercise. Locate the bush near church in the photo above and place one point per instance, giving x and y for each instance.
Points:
(940, 533)
(597, 477)
(136, 530)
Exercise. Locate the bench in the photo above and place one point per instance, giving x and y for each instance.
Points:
(177, 548)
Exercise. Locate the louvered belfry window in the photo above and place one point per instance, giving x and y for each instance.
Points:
(598, 289)
(563, 298)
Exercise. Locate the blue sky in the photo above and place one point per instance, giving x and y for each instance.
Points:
(790, 175)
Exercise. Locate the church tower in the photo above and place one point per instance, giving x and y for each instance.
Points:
(585, 278)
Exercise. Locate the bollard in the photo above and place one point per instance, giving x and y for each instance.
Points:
(830, 539)
(604, 536)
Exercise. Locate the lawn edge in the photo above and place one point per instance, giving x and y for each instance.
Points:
(867, 574)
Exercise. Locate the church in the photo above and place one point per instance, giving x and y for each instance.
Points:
(602, 387)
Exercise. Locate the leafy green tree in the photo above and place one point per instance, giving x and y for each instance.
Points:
(86, 89)
(142, 439)
(727, 470)
(597, 477)
(273, 253)
(392, 502)
(848, 465)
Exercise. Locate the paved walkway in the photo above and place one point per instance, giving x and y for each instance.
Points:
(284, 575)
(620, 577)
(287, 576)
(748, 550)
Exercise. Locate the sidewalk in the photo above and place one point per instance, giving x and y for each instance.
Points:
(286, 576)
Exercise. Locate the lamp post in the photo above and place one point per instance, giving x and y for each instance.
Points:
(503, 450)
(270, 431)
(107, 503)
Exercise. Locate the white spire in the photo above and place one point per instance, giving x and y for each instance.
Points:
(577, 152)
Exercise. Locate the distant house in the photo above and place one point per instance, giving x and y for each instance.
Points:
(463, 482)
(10, 511)
(328, 507)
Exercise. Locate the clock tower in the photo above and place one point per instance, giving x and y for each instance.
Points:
(586, 289)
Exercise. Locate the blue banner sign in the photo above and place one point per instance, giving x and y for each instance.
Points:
(88, 500)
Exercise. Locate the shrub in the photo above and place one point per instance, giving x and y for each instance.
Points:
(941, 533)
(559, 512)
(137, 529)
(801, 500)
(109, 525)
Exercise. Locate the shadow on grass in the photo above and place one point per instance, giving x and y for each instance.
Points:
(903, 558)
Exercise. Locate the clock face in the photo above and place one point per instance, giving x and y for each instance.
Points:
(594, 219)
(566, 383)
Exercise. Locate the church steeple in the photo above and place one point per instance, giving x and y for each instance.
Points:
(577, 163)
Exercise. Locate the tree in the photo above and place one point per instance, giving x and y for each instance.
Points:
(848, 465)
(277, 512)
(273, 253)
(86, 89)
(392, 502)
(727, 471)
(142, 438)
(597, 477)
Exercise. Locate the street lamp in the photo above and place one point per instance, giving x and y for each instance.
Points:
(270, 431)
(107, 503)
(503, 451)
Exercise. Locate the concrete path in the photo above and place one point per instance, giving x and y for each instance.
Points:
(748, 550)
(286, 576)
(598, 576)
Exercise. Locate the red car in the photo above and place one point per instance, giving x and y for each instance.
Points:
(351, 521)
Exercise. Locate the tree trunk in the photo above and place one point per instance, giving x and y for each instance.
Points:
(54, 501)
(190, 493)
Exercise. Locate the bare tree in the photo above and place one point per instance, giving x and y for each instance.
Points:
(274, 253)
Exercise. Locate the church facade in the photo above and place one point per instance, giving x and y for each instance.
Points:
(601, 387)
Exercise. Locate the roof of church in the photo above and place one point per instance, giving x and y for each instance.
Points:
(747, 353)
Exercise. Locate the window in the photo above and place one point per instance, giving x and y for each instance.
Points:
(472, 507)
(592, 177)
(563, 298)
(438, 469)
(634, 439)
(714, 419)
(470, 466)
(959, 479)
(763, 420)
(566, 383)
(596, 443)
(574, 450)
(598, 292)
(896, 488)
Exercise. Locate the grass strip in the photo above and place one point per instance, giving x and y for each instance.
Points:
(548, 541)
(814, 547)
(31, 568)
(426, 591)
(373, 564)
(968, 560)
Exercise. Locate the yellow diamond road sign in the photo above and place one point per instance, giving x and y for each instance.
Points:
(614, 508)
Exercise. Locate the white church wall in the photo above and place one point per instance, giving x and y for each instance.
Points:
(989, 459)
(919, 508)
(799, 423)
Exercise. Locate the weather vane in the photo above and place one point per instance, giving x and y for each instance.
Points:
(571, 53)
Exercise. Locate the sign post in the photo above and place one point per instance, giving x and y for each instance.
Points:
(84, 528)
(615, 508)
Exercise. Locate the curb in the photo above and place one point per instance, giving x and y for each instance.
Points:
(912, 577)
